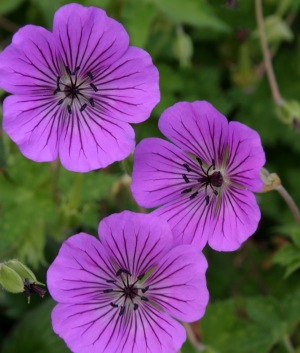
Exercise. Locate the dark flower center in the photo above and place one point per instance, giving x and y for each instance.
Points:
(126, 291)
(205, 179)
(74, 89)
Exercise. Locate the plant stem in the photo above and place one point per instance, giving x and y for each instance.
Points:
(288, 345)
(290, 202)
(266, 53)
(199, 347)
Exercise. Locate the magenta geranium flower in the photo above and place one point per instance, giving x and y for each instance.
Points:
(205, 184)
(76, 89)
(122, 293)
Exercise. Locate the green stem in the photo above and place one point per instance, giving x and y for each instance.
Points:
(288, 345)
(266, 54)
(290, 202)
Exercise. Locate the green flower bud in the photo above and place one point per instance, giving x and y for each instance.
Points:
(10, 280)
(289, 112)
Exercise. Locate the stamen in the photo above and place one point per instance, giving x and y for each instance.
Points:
(135, 306)
(122, 310)
(108, 290)
(185, 178)
(76, 70)
(94, 87)
(215, 192)
(60, 101)
(144, 299)
(194, 195)
(187, 167)
(185, 191)
(83, 107)
(140, 276)
(144, 290)
(119, 272)
(68, 71)
(199, 161)
(206, 200)
(114, 305)
(89, 74)
(111, 281)
(92, 103)
(69, 109)
(214, 165)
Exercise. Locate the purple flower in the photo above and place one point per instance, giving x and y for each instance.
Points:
(206, 184)
(119, 294)
(76, 89)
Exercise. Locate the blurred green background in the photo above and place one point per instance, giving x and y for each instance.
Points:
(204, 50)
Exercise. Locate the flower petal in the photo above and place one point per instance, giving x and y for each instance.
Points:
(237, 219)
(197, 128)
(91, 141)
(152, 331)
(87, 327)
(157, 176)
(190, 219)
(30, 64)
(33, 123)
(135, 241)
(128, 88)
(80, 270)
(178, 283)
(246, 156)
(88, 38)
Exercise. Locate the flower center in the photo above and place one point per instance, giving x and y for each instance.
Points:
(126, 291)
(74, 89)
(205, 179)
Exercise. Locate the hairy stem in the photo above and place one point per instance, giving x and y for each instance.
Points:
(288, 345)
(290, 202)
(266, 53)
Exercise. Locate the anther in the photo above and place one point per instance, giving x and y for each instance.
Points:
(83, 107)
(135, 306)
(199, 161)
(76, 70)
(69, 109)
(144, 290)
(185, 191)
(68, 71)
(114, 305)
(185, 178)
(213, 164)
(215, 192)
(111, 281)
(108, 290)
(60, 101)
(144, 299)
(122, 310)
(194, 195)
(92, 103)
(94, 87)
(140, 276)
(187, 167)
(206, 200)
(89, 74)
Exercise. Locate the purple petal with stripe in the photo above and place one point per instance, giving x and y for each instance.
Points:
(178, 284)
(135, 241)
(89, 140)
(157, 176)
(34, 123)
(190, 219)
(87, 38)
(30, 64)
(237, 219)
(197, 128)
(246, 156)
(80, 271)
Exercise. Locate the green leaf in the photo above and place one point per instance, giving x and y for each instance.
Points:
(196, 13)
(34, 333)
(8, 6)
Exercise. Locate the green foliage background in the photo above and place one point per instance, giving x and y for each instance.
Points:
(204, 50)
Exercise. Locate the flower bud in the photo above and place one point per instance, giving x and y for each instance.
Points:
(10, 280)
